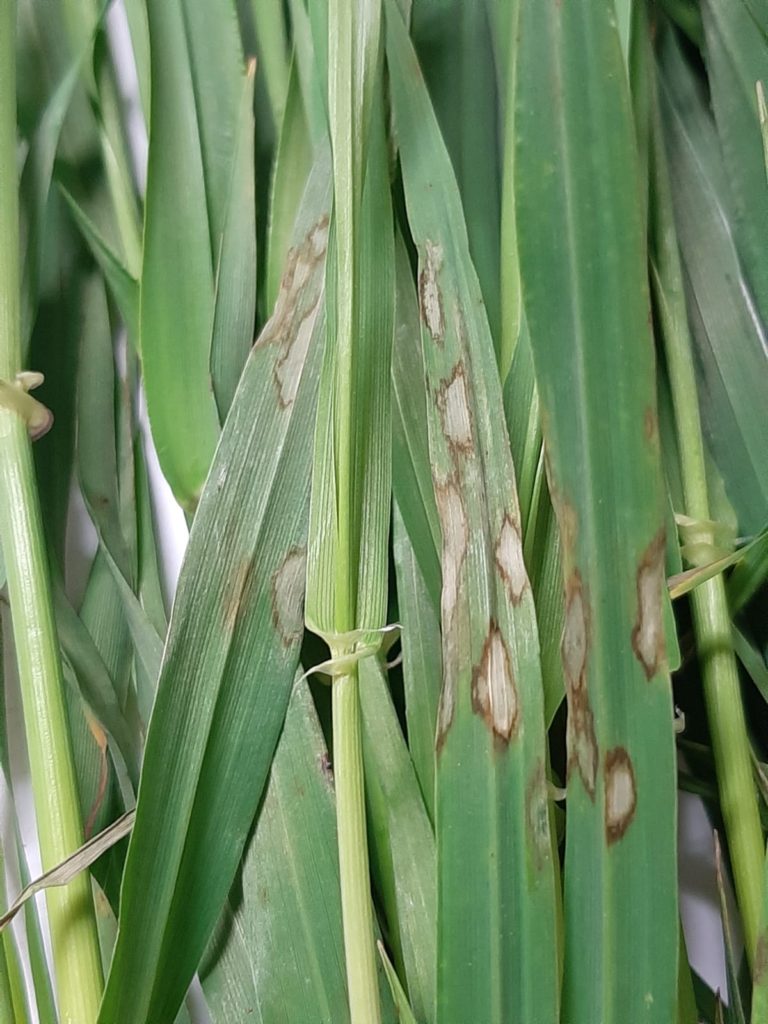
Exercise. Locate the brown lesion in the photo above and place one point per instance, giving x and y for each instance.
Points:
(446, 708)
(287, 593)
(455, 541)
(494, 689)
(508, 556)
(537, 815)
(760, 962)
(326, 768)
(581, 738)
(452, 400)
(235, 593)
(292, 321)
(430, 296)
(620, 794)
(648, 631)
(651, 426)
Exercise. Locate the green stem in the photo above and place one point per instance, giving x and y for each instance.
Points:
(711, 616)
(357, 912)
(348, 162)
(72, 924)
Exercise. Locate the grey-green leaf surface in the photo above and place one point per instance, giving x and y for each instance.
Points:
(177, 278)
(422, 658)
(231, 652)
(235, 258)
(496, 887)
(289, 174)
(273, 53)
(453, 41)
(399, 996)
(729, 334)
(124, 287)
(401, 841)
(736, 55)
(277, 952)
(217, 68)
(412, 472)
(223, 96)
(581, 238)
(35, 185)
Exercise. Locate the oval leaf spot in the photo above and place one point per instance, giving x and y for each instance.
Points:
(620, 793)
(430, 299)
(494, 693)
(453, 403)
(287, 596)
(453, 524)
(648, 632)
(509, 560)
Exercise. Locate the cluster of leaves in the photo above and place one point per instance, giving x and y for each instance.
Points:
(555, 402)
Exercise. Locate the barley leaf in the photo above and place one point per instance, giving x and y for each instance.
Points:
(580, 237)
(177, 279)
(491, 813)
(231, 653)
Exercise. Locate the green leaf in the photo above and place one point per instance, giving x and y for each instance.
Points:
(223, 99)
(177, 278)
(412, 480)
(95, 686)
(124, 287)
(231, 652)
(491, 789)
(278, 951)
(35, 183)
(422, 658)
(218, 73)
(401, 838)
(736, 55)
(273, 53)
(289, 174)
(454, 42)
(581, 238)
(236, 263)
(729, 335)
(404, 1011)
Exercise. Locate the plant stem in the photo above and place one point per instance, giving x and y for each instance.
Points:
(348, 123)
(357, 913)
(711, 616)
(73, 929)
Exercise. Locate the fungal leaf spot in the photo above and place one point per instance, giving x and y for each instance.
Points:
(620, 793)
(293, 319)
(494, 693)
(446, 707)
(430, 298)
(235, 594)
(651, 427)
(575, 634)
(453, 403)
(288, 584)
(648, 632)
(509, 560)
(580, 733)
(760, 966)
(453, 525)
(537, 816)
